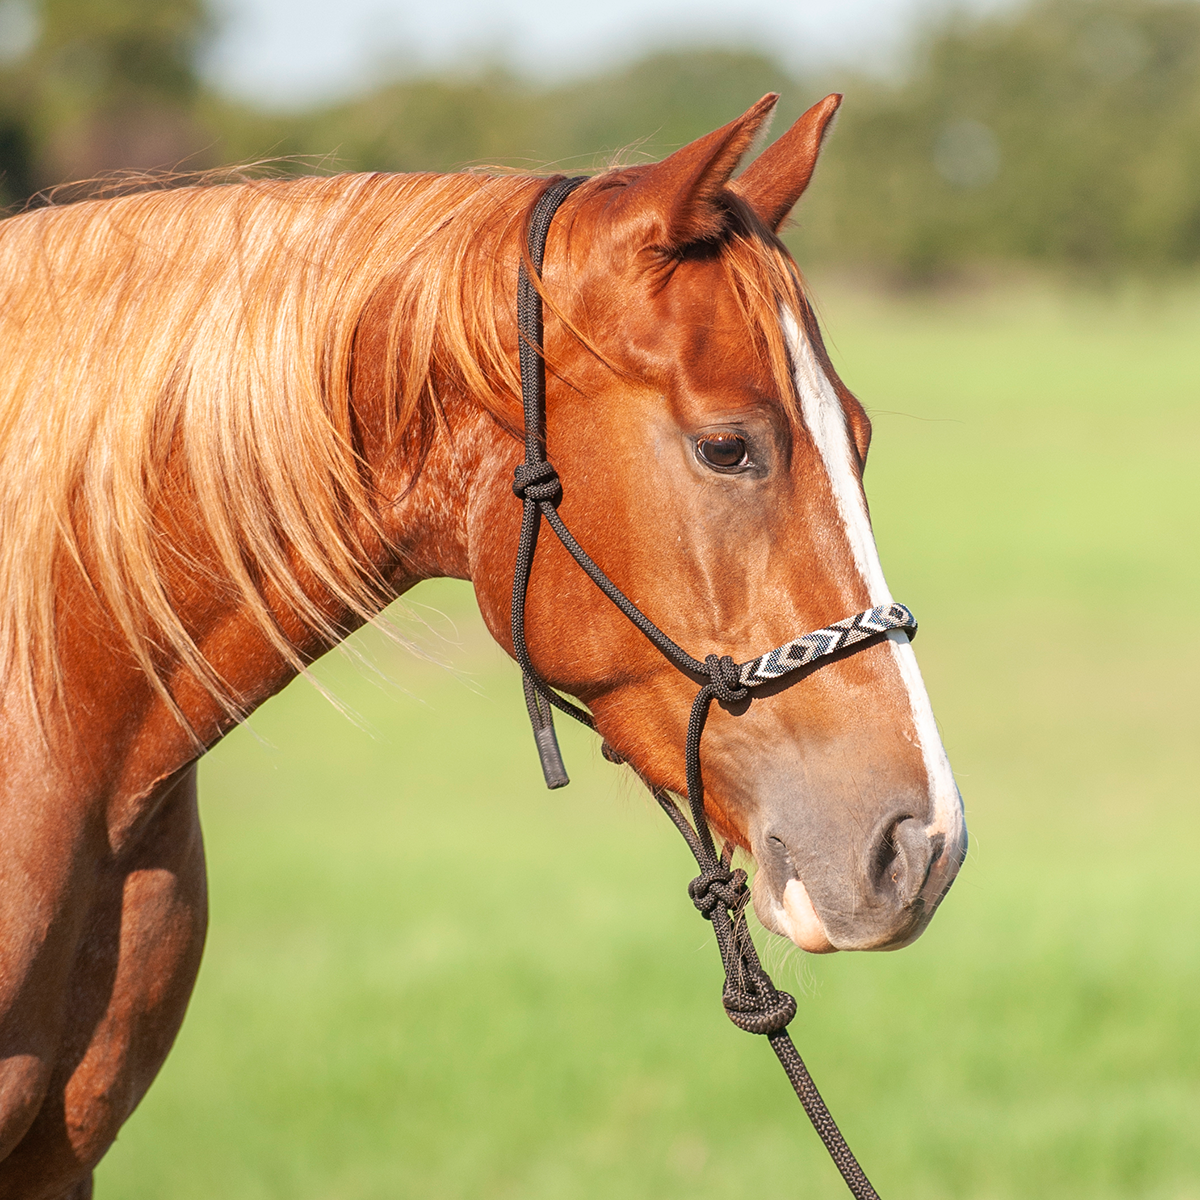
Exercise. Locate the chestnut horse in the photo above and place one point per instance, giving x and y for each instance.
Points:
(238, 420)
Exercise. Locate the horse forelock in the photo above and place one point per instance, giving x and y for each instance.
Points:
(769, 289)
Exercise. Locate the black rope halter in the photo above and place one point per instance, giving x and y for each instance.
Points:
(720, 893)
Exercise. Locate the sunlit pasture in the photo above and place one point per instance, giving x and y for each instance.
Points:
(428, 977)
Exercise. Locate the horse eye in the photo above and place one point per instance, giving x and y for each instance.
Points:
(722, 450)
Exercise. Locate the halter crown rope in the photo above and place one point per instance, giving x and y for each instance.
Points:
(751, 1000)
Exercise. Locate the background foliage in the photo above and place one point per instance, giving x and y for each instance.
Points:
(1065, 133)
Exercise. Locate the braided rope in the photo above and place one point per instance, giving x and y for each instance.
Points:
(537, 485)
(720, 893)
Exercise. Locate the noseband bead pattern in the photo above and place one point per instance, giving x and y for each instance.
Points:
(824, 643)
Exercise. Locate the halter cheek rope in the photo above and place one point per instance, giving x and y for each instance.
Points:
(751, 1000)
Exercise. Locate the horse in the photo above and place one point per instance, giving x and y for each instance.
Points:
(239, 418)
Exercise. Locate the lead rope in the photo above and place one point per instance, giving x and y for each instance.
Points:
(719, 892)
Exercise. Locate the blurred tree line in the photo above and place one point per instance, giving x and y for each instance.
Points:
(1064, 133)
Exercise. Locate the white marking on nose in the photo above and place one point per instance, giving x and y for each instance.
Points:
(794, 917)
(826, 420)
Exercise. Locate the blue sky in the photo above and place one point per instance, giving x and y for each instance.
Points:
(291, 52)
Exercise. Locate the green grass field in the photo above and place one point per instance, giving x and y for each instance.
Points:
(428, 977)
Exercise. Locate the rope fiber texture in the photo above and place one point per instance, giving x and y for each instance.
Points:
(720, 893)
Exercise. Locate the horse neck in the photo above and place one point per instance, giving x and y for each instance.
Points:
(111, 742)
(424, 492)
(422, 528)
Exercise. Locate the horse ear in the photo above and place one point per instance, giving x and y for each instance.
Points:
(776, 179)
(679, 197)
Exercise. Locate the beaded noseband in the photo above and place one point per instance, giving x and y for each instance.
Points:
(751, 1000)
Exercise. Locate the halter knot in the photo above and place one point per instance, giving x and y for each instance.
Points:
(718, 885)
(725, 678)
(759, 1008)
(537, 481)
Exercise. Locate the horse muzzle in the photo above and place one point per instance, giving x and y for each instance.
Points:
(878, 895)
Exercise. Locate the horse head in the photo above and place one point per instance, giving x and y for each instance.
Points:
(711, 463)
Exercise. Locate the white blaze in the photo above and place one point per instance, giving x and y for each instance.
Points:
(826, 420)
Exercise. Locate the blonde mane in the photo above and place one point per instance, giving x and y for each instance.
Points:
(219, 323)
(198, 342)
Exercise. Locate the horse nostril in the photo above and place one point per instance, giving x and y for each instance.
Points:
(884, 865)
(902, 859)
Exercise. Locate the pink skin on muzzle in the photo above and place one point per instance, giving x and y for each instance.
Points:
(796, 919)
